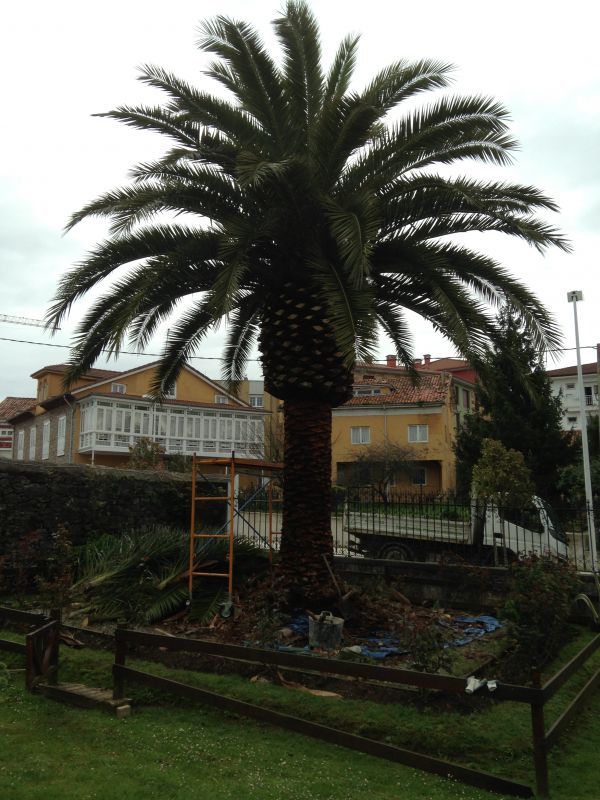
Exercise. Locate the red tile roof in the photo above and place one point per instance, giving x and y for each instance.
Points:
(11, 406)
(587, 369)
(405, 391)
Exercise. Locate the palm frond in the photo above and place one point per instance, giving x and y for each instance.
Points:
(248, 72)
(302, 77)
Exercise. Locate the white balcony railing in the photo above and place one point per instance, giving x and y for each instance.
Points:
(116, 426)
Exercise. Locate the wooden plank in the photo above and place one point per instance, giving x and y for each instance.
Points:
(567, 716)
(553, 685)
(329, 666)
(13, 647)
(446, 769)
(21, 617)
(83, 696)
(245, 462)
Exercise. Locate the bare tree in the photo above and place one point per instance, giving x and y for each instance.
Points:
(380, 466)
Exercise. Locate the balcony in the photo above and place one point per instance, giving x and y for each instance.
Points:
(113, 426)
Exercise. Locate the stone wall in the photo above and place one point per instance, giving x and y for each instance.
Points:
(88, 500)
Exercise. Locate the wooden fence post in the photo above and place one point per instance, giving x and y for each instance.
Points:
(120, 656)
(539, 738)
(30, 670)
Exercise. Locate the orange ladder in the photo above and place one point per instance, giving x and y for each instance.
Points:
(228, 498)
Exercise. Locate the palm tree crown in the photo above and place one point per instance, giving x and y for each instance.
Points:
(311, 219)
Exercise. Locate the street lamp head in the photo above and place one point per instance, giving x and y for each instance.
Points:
(574, 297)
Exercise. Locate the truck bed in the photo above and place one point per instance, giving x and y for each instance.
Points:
(401, 527)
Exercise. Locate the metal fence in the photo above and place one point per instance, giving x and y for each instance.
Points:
(430, 528)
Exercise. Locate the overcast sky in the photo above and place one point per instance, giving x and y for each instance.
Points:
(63, 61)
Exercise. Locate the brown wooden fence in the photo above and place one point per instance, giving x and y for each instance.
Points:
(40, 648)
(536, 696)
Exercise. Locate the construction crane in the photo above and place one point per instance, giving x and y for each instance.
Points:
(38, 323)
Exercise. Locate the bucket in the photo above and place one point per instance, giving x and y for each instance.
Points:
(325, 631)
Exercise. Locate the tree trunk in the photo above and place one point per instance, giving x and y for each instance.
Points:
(306, 529)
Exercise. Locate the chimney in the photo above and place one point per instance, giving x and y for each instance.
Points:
(427, 358)
(391, 361)
(417, 362)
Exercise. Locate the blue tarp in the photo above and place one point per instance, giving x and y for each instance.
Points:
(476, 627)
(380, 645)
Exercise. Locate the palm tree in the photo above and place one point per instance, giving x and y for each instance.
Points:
(309, 219)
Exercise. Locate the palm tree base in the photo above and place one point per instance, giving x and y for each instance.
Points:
(306, 539)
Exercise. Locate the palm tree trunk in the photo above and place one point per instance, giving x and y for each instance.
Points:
(306, 528)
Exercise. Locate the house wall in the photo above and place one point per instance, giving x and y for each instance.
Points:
(38, 423)
(273, 421)
(189, 387)
(6, 440)
(567, 387)
(50, 384)
(391, 424)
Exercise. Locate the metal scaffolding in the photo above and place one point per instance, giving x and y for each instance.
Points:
(234, 467)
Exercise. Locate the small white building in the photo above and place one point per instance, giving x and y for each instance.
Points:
(564, 383)
(8, 408)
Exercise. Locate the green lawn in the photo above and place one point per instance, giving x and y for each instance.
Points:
(50, 751)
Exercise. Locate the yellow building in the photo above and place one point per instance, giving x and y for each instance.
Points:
(253, 393)
(106, 412)
(389, 407)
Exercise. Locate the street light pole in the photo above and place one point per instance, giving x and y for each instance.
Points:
(573, 297)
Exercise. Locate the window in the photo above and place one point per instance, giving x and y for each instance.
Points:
(571, 419)
(118, 388)
(466, 398)
(366, 392)
(171, 394)
(20, 444)
(222, 399)
(418, 433)
(60, 439)
(32, 439)
(419, 476)
(360, 435)
(256, 400)
(570, 385)
(46, 439)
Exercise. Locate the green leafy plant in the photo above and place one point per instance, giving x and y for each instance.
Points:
(425, 639)
(146, 454)
(55, 582)
(501, 475)
(537, 606)
(141, 576)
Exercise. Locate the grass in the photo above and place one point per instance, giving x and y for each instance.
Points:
(176, 751)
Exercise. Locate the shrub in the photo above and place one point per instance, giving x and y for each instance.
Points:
(537, 608)
(146, 454)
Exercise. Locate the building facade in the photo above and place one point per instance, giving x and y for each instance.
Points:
(564, 384)
(10, 407)
(419, 418)
(107, 412)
